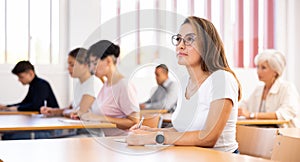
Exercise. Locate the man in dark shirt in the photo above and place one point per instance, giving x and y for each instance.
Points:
(39, 92)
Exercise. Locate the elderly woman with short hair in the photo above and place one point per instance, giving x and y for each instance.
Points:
(276, 99)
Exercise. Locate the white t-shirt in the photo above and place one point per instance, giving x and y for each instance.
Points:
(89, 87)
(191, 114)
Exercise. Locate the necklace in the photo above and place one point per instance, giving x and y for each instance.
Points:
(192, 87)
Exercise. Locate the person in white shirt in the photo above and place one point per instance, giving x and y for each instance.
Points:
(207, 113)
(165, 95)
(85, 89)
(276, 98)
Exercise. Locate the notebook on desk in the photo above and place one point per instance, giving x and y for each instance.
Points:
(72, 121)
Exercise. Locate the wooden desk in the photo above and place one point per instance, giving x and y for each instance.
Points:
(162, 111)
(38, 122)
(261, 122)
(105, 149)
(167, 118)
(18, 112)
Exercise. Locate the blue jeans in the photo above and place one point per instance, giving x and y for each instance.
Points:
(28, 135)
(236, 151)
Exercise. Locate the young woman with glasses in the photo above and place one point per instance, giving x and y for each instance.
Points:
(207, 113)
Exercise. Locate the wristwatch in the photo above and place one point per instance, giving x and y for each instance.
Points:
(252, 115)
(160, 138)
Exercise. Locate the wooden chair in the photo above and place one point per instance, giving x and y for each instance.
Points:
(286, 148)
(152, 114)
(256, 141)
(152, 120)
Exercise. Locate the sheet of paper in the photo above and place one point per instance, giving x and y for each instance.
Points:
(70, 121)
(79, 121)
(122, 140)
(241, 118)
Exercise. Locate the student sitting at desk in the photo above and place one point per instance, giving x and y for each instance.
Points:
(276, 98)
(165, 96)
(116, 101)
(85, 91)
(206, 115)
(39, 91)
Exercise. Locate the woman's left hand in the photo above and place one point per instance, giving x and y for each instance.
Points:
(140, 137)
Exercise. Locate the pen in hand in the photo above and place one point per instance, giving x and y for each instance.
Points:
(141, 122)
(45, 103)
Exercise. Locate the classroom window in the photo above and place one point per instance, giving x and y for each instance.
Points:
(246, 27)
(254, 29)
(108, 10)
(199, 8)
(2, 31)
(182, 7)
(128, 43)
(29, 31)
(147, 37)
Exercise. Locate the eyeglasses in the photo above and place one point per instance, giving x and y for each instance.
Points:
(187, 40)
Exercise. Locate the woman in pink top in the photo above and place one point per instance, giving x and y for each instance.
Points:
(117, 100)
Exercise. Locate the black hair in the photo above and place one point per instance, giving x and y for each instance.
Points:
(164, 67)
(104, 48)
(80, 54)
(22, 66)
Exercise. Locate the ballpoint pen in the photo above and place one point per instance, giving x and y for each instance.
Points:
(141, 122)
(45, 105)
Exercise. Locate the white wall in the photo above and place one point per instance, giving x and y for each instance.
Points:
(248, 80)
(84, 18)
(10, 89)
(293, 42)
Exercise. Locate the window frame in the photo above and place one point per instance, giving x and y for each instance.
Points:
(63, 35)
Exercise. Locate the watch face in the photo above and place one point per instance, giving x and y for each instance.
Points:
(160, 139)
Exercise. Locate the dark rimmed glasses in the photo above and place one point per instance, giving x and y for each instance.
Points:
(187, 39)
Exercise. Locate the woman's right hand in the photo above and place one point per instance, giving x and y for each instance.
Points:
(47, 111)
(243, 112)
(74, 115)
(2, 107)
(135, 127)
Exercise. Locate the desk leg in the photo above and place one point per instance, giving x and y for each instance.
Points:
(32, 135)
(1, 134)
